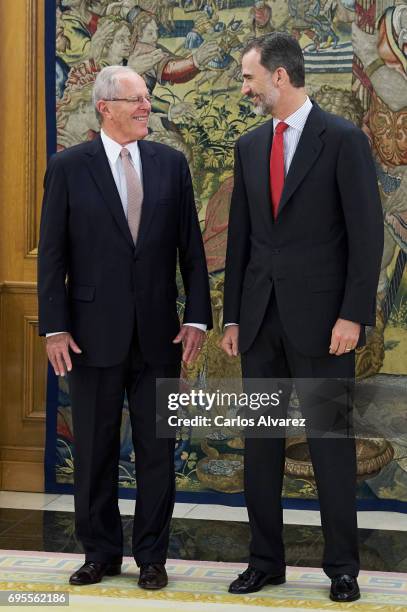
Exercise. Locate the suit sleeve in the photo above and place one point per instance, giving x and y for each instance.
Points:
(238, 245)
(192, 260)
(363, 216)
(53, 251)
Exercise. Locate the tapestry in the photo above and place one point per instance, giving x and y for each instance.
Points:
(188, 52)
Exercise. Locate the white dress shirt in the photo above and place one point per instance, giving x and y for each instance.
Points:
(291, 136)
(112, 150)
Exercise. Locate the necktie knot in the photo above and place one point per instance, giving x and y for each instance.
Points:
(124, 152)
(280, 127)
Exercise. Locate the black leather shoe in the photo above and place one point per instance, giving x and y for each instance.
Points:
(344, 588)
(93, 571)
(153, 576)
(253, 580)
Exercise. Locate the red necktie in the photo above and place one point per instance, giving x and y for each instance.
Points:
(277, 166)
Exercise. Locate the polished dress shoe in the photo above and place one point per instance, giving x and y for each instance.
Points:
(93, 571)
(153, 576)
(344, 588)
(253, 580)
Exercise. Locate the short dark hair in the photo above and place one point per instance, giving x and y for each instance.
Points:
(280, 50)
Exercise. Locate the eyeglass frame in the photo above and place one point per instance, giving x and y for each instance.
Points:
(135, 100)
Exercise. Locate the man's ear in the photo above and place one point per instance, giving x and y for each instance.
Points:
(281, 76)
(103, 108)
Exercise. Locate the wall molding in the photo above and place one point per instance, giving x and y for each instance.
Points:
(34, 370)
(31, 131)
(18, 287)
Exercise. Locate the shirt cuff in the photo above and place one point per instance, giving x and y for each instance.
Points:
(228, 324)
(202, 326)
(54, 334)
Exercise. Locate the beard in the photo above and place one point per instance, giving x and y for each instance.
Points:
(266, 103)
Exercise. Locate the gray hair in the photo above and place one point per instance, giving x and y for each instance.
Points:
(107, 84)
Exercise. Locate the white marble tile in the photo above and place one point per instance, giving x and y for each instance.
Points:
(218, 513)
(32, 501)
(63, 503)
(301, 517)
(393, 521)
(127, 506)
(182, 510)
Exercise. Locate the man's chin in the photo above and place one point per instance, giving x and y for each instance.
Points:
(141, 133)
(260, 110)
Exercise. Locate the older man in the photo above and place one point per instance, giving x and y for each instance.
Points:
(116, 214)
(303, 259)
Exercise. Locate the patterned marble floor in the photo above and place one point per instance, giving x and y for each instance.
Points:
(40, 523)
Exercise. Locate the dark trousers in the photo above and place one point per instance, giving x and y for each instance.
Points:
(334, 460)
(97, 396)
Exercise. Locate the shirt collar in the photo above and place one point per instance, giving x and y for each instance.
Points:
(113, 148)
(297, 119)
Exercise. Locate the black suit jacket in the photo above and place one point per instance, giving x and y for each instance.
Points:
(322, 254)
(93, 281)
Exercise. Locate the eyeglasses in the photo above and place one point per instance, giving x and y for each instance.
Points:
(135, 100)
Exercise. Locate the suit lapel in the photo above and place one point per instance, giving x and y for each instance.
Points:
(260, 158)
(102, 175)
(308, 150)
(150, 170)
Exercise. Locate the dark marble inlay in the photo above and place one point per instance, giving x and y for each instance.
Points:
(11, 517)
(205, 540)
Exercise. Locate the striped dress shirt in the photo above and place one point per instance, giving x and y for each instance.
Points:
(292, 134)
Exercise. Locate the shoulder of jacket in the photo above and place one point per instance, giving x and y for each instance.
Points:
(254, 133)
(71, 153)
(340, 124)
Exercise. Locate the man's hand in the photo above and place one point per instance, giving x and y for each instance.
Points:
(345, 336)
(58, 352)
(143, 63)
(205, 53)
(230, 341)
(192, 340)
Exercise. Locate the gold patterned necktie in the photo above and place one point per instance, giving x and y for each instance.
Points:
(134, 193)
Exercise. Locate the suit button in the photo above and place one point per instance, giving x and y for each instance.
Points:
(275, 251)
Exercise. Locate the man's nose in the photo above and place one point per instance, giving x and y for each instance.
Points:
(245, 89)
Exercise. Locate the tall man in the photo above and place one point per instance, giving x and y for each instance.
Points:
(116, 214)
(303, 258)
